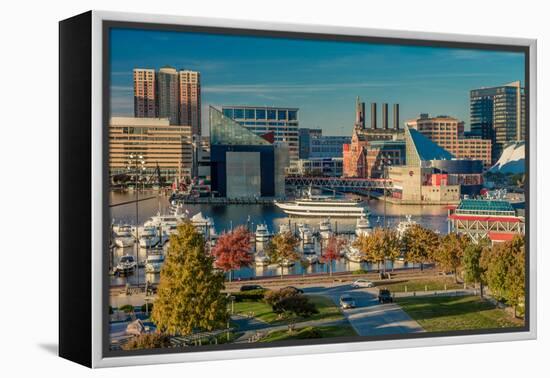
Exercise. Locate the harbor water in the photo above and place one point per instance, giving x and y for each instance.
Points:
(229, 216)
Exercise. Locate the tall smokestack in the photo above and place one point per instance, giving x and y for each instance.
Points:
(373, 115)
(385, 116)
(359, 114)
(396, 116)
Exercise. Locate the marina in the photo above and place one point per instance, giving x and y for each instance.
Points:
(263, 220)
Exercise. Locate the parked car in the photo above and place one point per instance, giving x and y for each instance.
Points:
(347, 301)
(295, 289)
(384, 296)
(251, 287)
(361, 282)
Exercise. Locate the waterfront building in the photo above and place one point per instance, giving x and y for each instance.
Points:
(304, 141)
(283, 122)
(162, 145)
(448, 132)
(319, 167)
(327, 146)
(432, 174)
(145, 98)
(190, 100)
(357, 161)
(243, 164)
(493, 219)
(167, 94)
(383, 152)
(498, 114)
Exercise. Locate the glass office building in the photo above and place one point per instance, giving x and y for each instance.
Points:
(498, 114)
(283, 122)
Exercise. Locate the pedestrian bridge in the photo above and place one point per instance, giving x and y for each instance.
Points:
(338, 183)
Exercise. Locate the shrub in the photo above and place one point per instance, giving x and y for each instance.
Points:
(251, 295)
(275, 296)
(127, 308)
(111, 310)
(359, 271)
(309, 333)
(298, 304)
(148, 341)
(149, 307)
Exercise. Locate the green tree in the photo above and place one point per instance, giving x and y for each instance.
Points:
(449, 254)
(473, 272)
(504, 266)
(189, 293)
(281, 249)
(420, 244)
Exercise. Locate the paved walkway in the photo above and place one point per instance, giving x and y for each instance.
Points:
(369, 318)
(253, 327)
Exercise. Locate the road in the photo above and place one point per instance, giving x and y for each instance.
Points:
(370, 318)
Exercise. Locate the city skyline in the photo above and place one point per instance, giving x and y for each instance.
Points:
(321, 78)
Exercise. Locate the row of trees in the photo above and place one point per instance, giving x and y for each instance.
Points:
(500, 266)
(189, 293)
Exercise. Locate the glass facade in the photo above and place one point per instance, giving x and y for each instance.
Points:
(282, 122)
(498, 114)
(225, 131)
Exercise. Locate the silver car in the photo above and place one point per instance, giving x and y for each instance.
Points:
(347, 301)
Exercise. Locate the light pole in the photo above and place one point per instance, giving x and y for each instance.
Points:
(384, 163)
(138, 164)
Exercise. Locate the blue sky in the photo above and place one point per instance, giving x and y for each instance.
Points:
(322, 78)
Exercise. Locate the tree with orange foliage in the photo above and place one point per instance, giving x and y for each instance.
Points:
(232, 250)
(332, 251)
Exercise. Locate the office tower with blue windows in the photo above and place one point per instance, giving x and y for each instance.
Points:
(498, 114)
(261, 120)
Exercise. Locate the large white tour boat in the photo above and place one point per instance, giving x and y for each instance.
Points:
(324, 206)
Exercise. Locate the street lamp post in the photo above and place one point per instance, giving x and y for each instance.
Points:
(138, 164)
(384, 163)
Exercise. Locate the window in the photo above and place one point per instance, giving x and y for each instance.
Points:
(281, 115)
(292, 115)
(260, 113)
(238, 113)
(228, 113)
(249, 114)
(271, 114)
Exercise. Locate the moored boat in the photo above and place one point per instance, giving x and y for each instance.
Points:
(362, 227)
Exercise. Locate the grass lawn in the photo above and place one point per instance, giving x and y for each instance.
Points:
(435, 283)
(456, 313)
(261, 310)
(310, 333)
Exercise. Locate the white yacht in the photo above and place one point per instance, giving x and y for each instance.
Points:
(284, 228)
(262, 233)
(305, 233)
(403, 226)
(123, 236)
(153, 241)
(127, 264)
(324, 206)
(261, 259)
(353, 254)
(153, 264)
(168, 222)
(362, 227)
(311, 256)
(325, 228)
(204, 225)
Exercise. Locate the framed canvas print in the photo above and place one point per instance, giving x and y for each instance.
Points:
(234, 189)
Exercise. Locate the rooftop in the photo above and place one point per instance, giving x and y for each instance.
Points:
(426, 148)
(475, 204)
